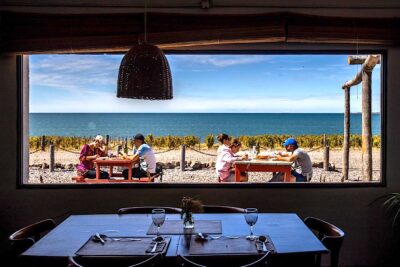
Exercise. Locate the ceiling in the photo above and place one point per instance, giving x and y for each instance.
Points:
(385, 8)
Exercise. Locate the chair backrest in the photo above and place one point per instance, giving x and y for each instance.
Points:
(138, 210)
(221, 209)
(152, 261)
(25, 237)
(330, 235)
(185, 262)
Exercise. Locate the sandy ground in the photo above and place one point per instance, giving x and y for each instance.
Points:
(66, 162)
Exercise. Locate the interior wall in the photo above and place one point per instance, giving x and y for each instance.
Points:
(368, 232)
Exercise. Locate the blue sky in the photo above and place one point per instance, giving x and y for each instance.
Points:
(202, 83)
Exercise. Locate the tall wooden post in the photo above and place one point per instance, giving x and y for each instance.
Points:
(346, 135)
(51, 165)
(366, 147)
(183, 155)
(364, 77)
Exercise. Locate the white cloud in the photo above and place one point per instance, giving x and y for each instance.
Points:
(220, 61)
(191, 104)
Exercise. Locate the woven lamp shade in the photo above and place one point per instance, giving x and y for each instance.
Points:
(145, 74)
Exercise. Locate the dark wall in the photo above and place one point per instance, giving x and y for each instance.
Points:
(368, 230)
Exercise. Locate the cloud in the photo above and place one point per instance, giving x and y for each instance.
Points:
(192, 104)
(219, 61)
(74, 73)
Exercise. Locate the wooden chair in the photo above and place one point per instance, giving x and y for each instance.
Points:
(146, 209)
(221, 209)
(263, 261)
(24, 238)
(152, 261)
(330, 235)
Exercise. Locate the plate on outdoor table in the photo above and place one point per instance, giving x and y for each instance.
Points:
(103, 158)
(122, 246)
(223, 245)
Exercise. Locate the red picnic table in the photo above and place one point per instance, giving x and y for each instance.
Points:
(261, 165)
(113, 162)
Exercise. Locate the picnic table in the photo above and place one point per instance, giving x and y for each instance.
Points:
(263, 165)
(113, 162)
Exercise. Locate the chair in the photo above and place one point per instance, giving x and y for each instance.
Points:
(221, 209)
(185, 262)
(24, 238)
(149, 262)
(330, 235)
(138, 210)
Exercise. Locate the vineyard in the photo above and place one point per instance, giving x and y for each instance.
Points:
(265, 141)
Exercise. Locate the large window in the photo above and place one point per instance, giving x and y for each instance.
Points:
(261, 99)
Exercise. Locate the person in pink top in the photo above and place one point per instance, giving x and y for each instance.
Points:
(225, 141)
(225, 160)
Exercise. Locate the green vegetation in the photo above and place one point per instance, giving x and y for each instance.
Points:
(265, 141)
(210, 140)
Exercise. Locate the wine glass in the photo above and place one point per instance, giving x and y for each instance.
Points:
(158, 217)
(251, 216)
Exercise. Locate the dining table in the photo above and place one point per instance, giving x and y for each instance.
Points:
(292, 240)
(264, 165)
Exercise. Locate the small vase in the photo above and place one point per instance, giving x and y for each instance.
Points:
(188, 223)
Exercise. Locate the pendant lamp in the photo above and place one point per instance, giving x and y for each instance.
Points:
(144, 72)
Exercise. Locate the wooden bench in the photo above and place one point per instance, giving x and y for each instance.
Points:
(81, 179)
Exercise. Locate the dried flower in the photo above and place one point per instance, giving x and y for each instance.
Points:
(189, 206)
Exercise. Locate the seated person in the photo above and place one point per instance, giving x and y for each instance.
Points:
(225, 141)
(225, 161)
(103, 149)
(144, 155)
(88, 154)
(302, 169)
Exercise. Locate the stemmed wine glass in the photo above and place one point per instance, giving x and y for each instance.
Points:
(158, 217)
(251, 216)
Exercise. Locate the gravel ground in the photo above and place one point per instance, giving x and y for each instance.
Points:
(206, 175)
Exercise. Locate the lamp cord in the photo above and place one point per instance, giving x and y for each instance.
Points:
(145, 21)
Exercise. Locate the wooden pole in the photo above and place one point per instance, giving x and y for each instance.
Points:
(51, 158)
(364, 76)
(357, 59)
(366, 147)
(326, 158)
(42, 142)
(183, 155)
(346, 135)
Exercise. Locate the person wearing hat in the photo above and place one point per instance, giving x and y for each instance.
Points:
(102, 148)
(88, 154)
(143, 154)
(302, 169)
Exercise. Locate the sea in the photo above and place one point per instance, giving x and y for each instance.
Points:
(198, 124)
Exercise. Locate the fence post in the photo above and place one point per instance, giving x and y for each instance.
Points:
(326, 158)
(183, 152)
(346, 135)
(107, 139)
(51, 166)
(42, 142)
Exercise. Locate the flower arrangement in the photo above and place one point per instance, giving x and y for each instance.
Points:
(189, 206)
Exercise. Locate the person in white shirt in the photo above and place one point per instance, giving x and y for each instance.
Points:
(144, 155)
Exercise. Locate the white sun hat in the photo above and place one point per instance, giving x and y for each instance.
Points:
(99, 138)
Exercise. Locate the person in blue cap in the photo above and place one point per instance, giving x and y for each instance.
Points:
(302, 168)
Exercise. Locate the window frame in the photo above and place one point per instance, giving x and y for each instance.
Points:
(21, 108)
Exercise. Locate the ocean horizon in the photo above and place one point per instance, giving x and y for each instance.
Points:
(198, 124)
